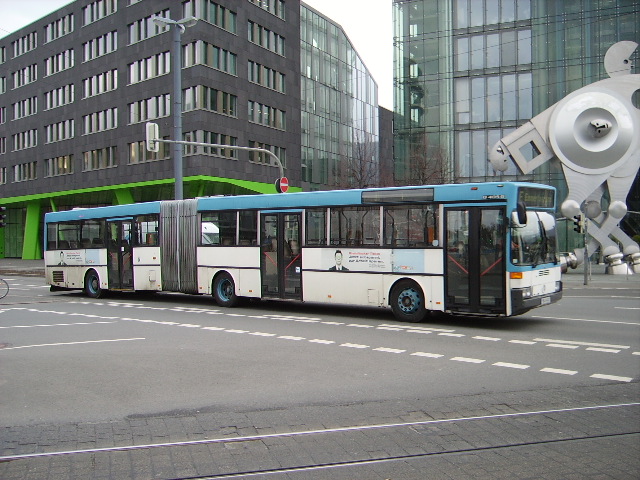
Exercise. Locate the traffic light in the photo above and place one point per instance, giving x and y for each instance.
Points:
(2, 216)
(578, 221)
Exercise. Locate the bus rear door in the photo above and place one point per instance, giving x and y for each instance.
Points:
(119, 254)
(280, 255)
(475, 269)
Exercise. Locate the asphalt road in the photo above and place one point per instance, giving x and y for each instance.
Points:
(67, 362)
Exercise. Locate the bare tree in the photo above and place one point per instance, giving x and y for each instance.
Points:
(359, 166)
(428, 162)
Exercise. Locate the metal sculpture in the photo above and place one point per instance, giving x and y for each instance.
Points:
(595, 134)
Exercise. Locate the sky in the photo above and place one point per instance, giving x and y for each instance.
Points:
(367, 23)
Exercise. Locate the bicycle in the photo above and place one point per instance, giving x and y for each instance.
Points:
(4, 288)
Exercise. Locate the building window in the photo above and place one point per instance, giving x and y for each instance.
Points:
(24, 140)
(25, 76)
(267, 77)
(59, 62)
(3, 115)
(266, 115)
(101, 83)
(202, 136)
(261, 157)
(266, 38)
(3, 145)
(210, 12)
(147, 28)
(100, 121)
(59, 131)
(99, 159)
(275, 7)
(3, 55)
(25, 171)
(54, 167)
(201, 97)
(100, 46)
(3, 85)
(203, 53)
(98, 10)
(149, 67)
(3, 175)
(25, 44)
(138, 152)
(150, 108)
(58, 28)
(24, 108)
(59, 96)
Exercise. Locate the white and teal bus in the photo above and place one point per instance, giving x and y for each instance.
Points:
(485, 248)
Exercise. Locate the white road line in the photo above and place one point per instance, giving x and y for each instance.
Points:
(428, 355)
(611, 377)
(324, 342)
(561, 345)
(607, 350)
(359, 325)
(418, 331)
(263, 334)
(392, 329)
(389, 350)
(523, 342)
(511, 365)
(291, 337)
(353, 345)
(490, 339)
(233, 330)
(72, 343)
(585, 320)
(452, 334)
(585, 344)
(559, 370)
(56, 325)
(627, 308)
(332, 323)
(467, 360)
(213, 328)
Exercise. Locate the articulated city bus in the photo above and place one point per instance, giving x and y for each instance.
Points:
(485, 248)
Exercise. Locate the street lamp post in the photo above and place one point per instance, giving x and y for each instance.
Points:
(179, 27)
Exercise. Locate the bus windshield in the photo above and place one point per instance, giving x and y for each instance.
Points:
(535, 242)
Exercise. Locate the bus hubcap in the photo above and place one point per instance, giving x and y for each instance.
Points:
(408, 300)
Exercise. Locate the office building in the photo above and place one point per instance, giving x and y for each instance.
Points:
(78, 86)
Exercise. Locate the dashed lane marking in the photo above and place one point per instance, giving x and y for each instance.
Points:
(559, 371)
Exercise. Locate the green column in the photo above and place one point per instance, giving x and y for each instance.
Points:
(31, 245)
(123, 196)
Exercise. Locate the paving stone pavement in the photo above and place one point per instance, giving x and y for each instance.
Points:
(396, 440)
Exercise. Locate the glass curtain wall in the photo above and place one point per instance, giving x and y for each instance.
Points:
(339, 100)
(468, 72)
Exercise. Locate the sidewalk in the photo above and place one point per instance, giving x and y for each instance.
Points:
(573, 278)
(22, 268)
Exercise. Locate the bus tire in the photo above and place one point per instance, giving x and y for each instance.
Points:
(92, 285)
(224, 290)
(408, 302)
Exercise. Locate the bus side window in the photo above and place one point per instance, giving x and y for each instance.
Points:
(316, 227)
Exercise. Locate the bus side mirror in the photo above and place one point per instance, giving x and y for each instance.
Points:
(521, 211)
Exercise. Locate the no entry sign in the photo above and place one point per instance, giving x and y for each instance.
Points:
(282, 185)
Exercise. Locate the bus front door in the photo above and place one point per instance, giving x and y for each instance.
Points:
(119, 255)
(474, 268)
(281, 256)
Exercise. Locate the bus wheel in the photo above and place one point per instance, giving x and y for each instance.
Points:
(224, 291)
(407, 302)
(92, 285)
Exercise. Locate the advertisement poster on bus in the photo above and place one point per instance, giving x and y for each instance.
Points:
(364, 260)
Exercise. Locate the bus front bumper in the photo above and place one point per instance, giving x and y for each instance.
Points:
(521, 304)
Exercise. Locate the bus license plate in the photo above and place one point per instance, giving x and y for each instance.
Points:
(545, 301)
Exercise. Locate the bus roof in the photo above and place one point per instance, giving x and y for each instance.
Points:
(461, 192)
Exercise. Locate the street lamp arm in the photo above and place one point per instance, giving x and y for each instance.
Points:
(230, 147)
